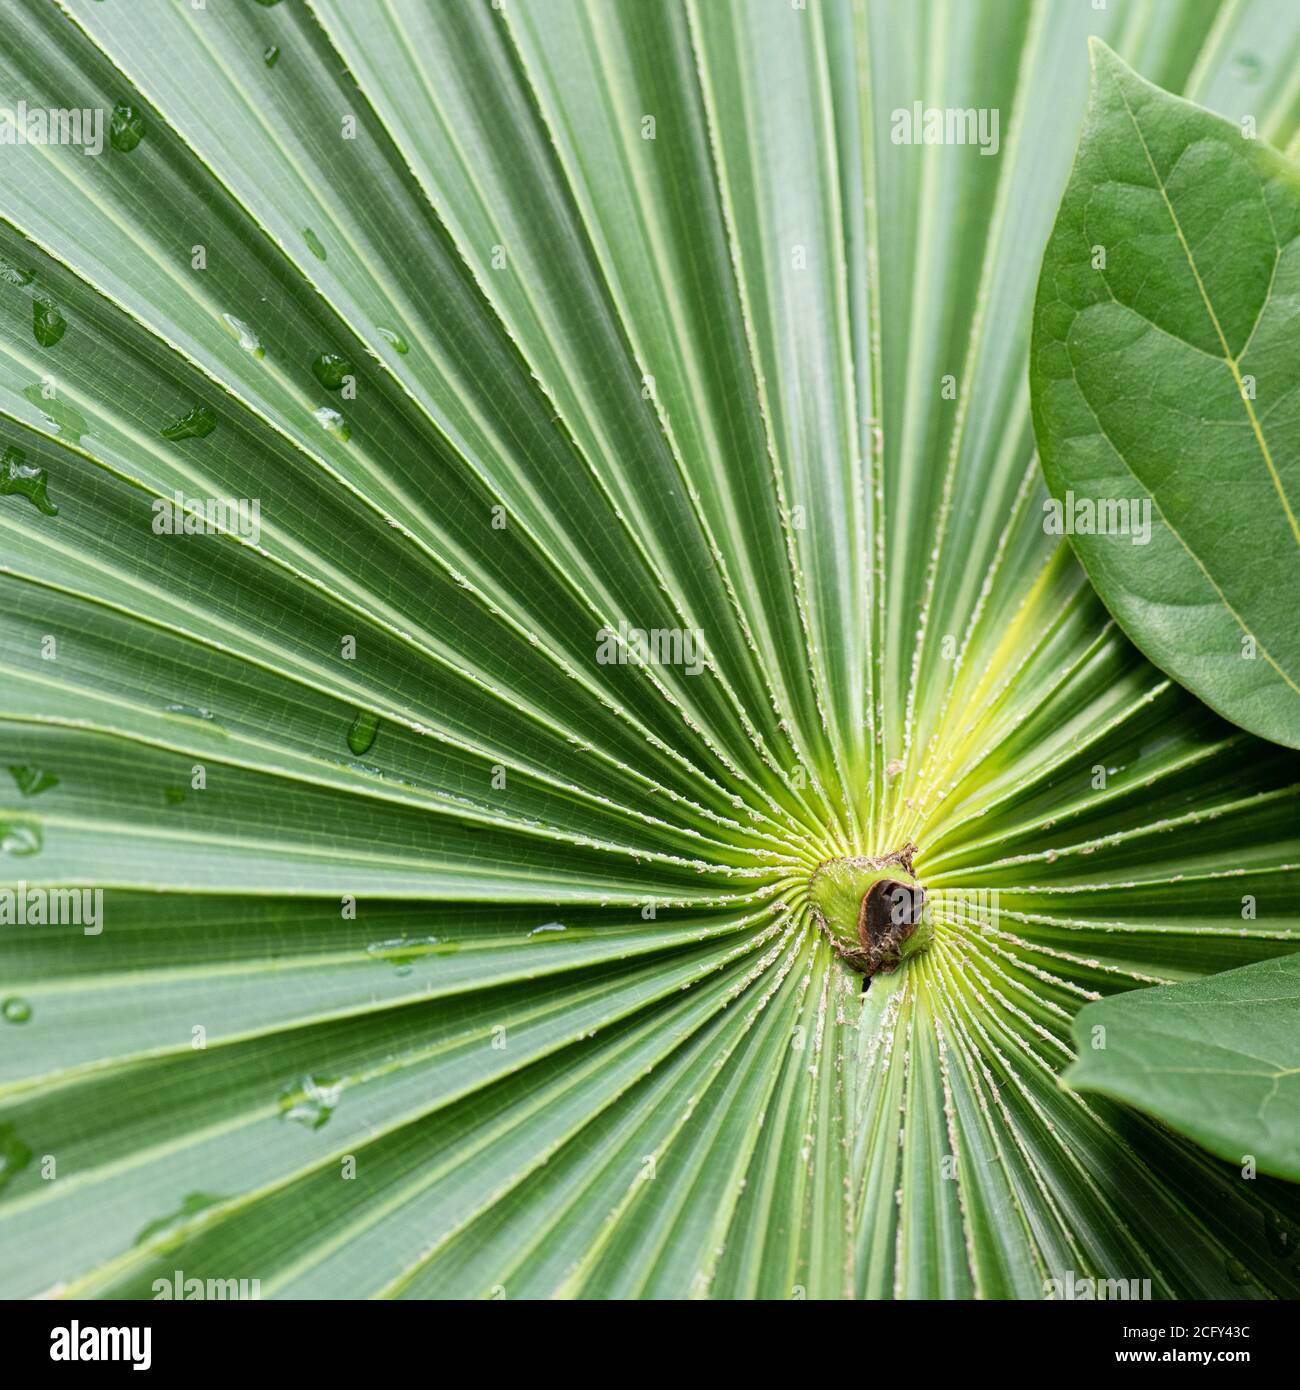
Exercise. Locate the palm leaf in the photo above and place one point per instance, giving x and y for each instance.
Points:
(525, 995)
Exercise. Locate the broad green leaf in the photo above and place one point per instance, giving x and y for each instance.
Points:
(1218, 1059)
(440, 955)
(1166, 387)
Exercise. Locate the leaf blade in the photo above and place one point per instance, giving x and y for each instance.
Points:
(1158, 1042)
(1164, 336)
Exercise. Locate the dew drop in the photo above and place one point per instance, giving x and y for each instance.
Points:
(31, 779)
(195, 424)
(331, 370)
(362, 733)
(271, 55)
(24, 479)
(311, 1102)
(547, 927)
(16, 1010)
(125, 127)
(191, 1205)
(1237, 1271)
(13, 274)
(190, 712)
(402, 951)
(333, 423)
(20, 839)
(395, 340)
(173, 796)
(248, 339)
(1283, 1236)
(48, 323)
(14, 1154)
(314, 243)
(71, 424)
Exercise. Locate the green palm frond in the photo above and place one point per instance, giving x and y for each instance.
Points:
(441, 957)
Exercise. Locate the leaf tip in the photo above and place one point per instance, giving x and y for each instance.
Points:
(1099, 51)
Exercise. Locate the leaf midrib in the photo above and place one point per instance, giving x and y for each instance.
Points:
(1228, 357)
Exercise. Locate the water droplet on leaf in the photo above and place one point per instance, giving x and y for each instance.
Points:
(14, 274)
(331, 369)
(16, 1010)
(395, 339)
(70, 424)
(1238, 1272)
(48, 323)
(14, 1154)
(248, 339)
(362, 733)
(190, 712)
(333, 423)
(548, 927)
(191, 1205)
(402, 951)
(196, 424)
(125, 127)
(314, 243)
(20, 839)
(204, 717)
(1283, 1236)
(312, 1102)
(32, 779)
(17, 476)
(271, 55)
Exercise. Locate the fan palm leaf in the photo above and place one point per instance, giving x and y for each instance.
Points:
(441, 957)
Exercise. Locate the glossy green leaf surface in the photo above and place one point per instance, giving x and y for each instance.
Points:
(455, 941)
(1166, 387)
(1217, 1059)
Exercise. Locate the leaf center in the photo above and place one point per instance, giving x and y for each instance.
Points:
(872, 909)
